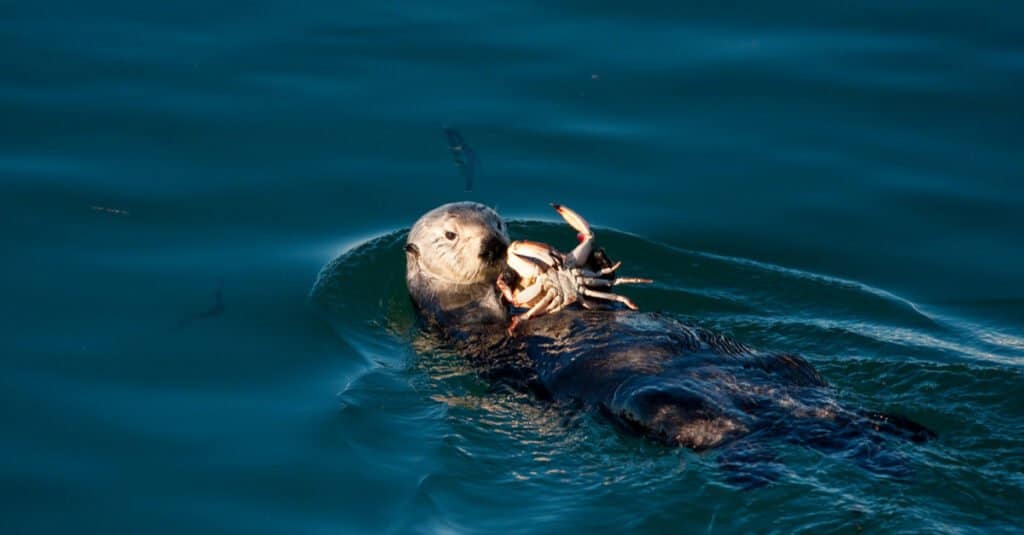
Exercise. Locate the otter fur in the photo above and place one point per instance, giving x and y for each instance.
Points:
(649, 374)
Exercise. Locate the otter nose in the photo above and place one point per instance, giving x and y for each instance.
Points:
(493, 249)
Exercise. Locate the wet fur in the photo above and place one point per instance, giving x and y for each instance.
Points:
(648, 374)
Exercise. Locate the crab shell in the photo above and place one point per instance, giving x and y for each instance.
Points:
(546, 280)
(532, 262)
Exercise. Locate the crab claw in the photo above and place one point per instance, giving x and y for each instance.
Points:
(573, 219)
(582, 251)
(505, 289)
(535, 253)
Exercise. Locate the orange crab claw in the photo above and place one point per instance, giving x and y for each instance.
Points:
(575, 220)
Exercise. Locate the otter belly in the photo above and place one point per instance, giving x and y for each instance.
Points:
(683, 385)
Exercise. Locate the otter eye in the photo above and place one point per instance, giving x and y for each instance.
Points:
(449, 234)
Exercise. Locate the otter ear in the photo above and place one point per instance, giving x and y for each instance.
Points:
(412, 249)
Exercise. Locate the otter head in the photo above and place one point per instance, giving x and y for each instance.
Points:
(454, 255)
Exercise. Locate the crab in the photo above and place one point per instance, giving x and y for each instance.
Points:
(545, 280)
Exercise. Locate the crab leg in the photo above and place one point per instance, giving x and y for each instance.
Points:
(539, 308)
(582, 251)
(529, 293)
(610, 297)
(605, 271)
(633, 280)
(608, 283)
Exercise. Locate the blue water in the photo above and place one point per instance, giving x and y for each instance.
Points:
(842, 181)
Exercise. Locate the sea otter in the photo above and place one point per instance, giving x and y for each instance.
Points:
(649, 374)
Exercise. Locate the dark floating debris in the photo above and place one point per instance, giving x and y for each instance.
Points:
(463, 154)
(115, 211)
(215, 310)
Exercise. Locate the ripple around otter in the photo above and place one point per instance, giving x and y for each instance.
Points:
(878, 350)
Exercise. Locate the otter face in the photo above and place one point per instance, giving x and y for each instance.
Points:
(457, 244)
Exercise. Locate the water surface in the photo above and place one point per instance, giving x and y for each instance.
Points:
(839, 181)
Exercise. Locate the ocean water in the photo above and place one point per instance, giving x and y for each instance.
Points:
(839, 180)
